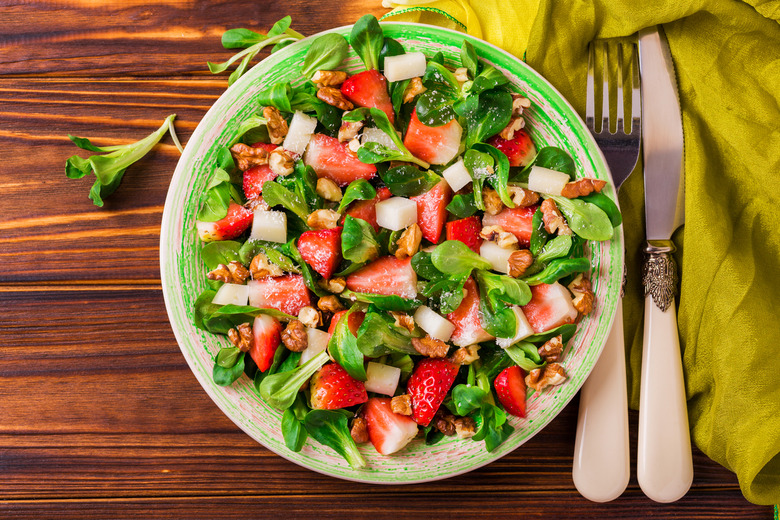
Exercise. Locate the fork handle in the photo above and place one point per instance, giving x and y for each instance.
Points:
(601, 466)
(664, 461)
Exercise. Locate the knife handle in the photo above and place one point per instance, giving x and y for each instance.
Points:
(664, 460)
(601, 466)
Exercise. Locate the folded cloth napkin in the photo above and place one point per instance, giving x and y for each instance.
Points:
(727, 58)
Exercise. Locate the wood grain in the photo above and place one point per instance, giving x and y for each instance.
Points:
(100, 416)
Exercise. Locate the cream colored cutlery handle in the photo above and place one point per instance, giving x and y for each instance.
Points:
(664, 463)
(601, 466)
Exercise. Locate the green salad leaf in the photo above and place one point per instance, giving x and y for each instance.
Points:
(344, 349)
(329, 427)
(327, 52)
(367, 40)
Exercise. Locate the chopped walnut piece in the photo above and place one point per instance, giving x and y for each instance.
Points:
(519, 102)
(323, 219)
(519, 261)
(552, 349)
(334, 97)
(234, 272)
(294, 336)
(310, 316)
(409, 242)
(552, 218)
(277, 125)
(583, 294)
(328, 190)
(493, 204)
(403, 320)
(430, 347)
(551, 374)
(401, 404)
(280, 162)
(238, 271)
(260, 267)
(444, 422)
(242, 337)
(329, 78)
(582, 187)
(330, 303)
(256, 204)
(354, 145)
(462, 74)
(504, 239)
(334, 285)
(522, 197)
(247, 156)
(515, 124)
(359, 430)
(465, 427)
(349, 130)
(465, 355)
(413, 89)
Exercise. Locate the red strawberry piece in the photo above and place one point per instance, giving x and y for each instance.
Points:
(467, 231)
(332, 388)
(286, 293)
(321, 250)
(366, 209)
(520, 150)
(433, 144)
(254, 178)
(268, 147)
(333, 160)
(267, 333)
(237, 220)
(355, 321)
(550, 306)
(388, 431)
(517, 221)
(510, 388)
(432, 210)
(428, 386)
(468, 319)
(386, 275)
(369, 89)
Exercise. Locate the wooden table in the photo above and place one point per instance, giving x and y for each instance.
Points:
(100, 417)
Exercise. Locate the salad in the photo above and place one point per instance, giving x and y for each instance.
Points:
(388, 252)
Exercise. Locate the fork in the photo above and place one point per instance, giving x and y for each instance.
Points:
(601, 454)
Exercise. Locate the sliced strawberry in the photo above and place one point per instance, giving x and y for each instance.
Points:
(237, 220)
(388, 431)
(515, 220)
(254, 178)
(268, 147)
(432, 210)
(333, 160)
(355, 321)
(369, 89)
(366, 209)
(468, 319)
(510, 388)
(332, 388)
(433, 144)
(286, 293)
(385, 275)
(428, 386)
(520, 150)
(467, 231)
(267, 333)
(550, 306)
(321, 250)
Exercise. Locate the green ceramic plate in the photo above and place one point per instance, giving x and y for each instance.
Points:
(551, 121)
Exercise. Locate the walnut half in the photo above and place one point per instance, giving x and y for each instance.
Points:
(551, 374)
(242, 337)
(294, 336)
(553, 220)
(552, 349)
(582, 187)
(583, 294)
(277, 125)
(234, 272)
(248, 156)
(409, 242)
(430, 347)
(519, 262)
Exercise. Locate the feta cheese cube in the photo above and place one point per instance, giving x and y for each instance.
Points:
(405, 66)
(433, 323)
(544, 180)
(396, 213)
(231, 293)
(270, 226)
(299, 133)
(456, 175)
(496, 255)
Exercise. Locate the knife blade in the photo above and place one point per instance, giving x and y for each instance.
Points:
(664, 460)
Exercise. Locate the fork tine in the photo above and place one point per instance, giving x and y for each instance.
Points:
(590, 102)
(606, 120)
(636, 91)
(621, 108)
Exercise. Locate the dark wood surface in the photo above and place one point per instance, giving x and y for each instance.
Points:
(100, 416)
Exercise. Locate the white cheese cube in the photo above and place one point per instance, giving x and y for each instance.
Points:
(496, 255)
(299, 133)
(433, 323)
(375, 135)
(231, 293)
(456, 175)
(544, 180)
(396, 213)
(405, 66)
(318, 341)
(382, 379)
(270, 226)
(523, 329)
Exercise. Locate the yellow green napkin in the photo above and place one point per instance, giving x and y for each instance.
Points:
(727, 57)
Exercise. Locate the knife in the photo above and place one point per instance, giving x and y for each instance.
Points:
(664, 462)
